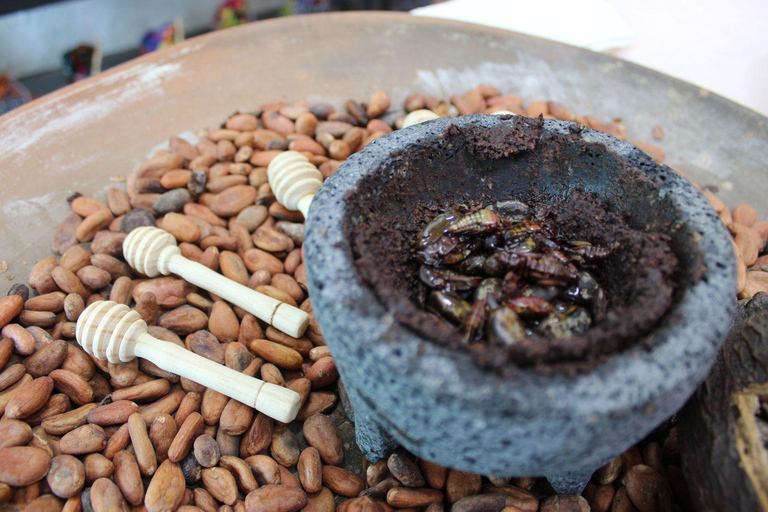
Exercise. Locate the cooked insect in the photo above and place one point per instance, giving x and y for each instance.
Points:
(475, 321)
(489, 290)
(437, 228)
(591, 252)
(472, 265)
(476, 223)
(500, 262)
(567, 321)
(525, 245)
(584, 290)
(526, 227)
(437, 251)
(548, 267)
(529, 306)
(505, 327)
(448, 305)
(447, 280)
(506, 272)
(511, 211)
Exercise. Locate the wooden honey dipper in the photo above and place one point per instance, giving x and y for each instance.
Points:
(152, 252)
(294, 180)
(112, 331)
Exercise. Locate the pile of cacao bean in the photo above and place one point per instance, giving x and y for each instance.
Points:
(80, 434)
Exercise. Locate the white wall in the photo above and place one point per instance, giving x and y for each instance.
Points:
(722, 46)
(35, 40)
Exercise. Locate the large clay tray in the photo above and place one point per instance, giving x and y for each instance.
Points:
(80, 136)
(83, 137)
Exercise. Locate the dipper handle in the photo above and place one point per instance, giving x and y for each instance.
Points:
(153, 252)
(289, 319)
(114, 332)
(294, 180)
(276, 402)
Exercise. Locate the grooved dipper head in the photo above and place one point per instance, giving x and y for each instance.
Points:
(108, 330)
(292, 176)
(145, 250)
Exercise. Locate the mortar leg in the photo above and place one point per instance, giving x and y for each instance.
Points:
(375, 442)
(572, 482)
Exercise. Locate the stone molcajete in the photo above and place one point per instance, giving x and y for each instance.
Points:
(561, 420)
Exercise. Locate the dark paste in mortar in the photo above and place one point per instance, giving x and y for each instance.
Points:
(391, 207)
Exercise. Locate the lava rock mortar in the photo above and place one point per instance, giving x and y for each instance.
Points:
(438, 402)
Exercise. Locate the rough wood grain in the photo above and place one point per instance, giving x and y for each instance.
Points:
(723, 456)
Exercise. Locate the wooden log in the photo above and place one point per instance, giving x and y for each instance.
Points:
(724, 426)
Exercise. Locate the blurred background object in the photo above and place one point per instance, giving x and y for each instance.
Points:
(721, 47)
(82, 61)
(231, 13)
(166, 35)
(12, 93)
(591, 24)
(309, 6)
(378, 5)
(35, 34)
(313, 6)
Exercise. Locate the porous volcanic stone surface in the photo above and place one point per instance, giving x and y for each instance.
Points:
(438, 402)
(637, 278)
